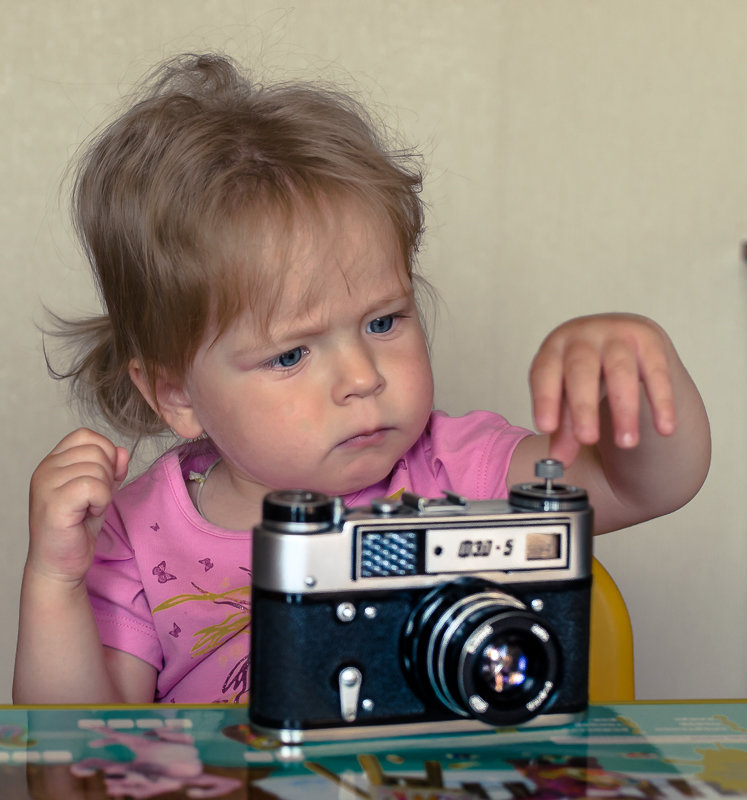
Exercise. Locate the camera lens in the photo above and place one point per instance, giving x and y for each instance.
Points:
(481, 653)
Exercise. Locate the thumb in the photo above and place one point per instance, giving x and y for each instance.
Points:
(121, 465)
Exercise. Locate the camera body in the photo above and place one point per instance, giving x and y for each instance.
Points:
(429, 615)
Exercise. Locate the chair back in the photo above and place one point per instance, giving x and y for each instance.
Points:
(611, 669)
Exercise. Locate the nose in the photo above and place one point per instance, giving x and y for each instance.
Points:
(356, 373)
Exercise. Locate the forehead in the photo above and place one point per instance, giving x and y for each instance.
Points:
(343, 243)
(312, 258)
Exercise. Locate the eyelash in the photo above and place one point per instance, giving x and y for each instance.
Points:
(276, 363)
(391, 317)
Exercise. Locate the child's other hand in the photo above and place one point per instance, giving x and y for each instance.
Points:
(70, 491)
(590, 358)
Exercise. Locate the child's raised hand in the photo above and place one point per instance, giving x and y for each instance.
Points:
(589, 358)
(70, 491)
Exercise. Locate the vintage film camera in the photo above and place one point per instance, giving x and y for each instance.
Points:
(430, 615)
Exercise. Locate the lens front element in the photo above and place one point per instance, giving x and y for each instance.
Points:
(482, 654)
(503, 667)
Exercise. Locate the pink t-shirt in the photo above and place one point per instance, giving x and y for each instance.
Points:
(172, 589)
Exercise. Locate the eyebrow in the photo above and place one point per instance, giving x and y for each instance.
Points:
(375, 305)
(292, 334)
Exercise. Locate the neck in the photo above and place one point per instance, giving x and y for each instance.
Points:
(227, 503)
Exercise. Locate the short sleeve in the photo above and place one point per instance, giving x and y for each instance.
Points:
(475, 452)
(117, 596)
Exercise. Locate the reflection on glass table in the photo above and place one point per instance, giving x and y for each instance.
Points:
(629, 750)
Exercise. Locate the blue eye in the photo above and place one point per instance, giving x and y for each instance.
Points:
(381, 324)
(288, 359)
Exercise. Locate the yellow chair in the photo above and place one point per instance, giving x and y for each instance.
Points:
(611, 675)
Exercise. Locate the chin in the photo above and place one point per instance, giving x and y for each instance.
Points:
(354, 484)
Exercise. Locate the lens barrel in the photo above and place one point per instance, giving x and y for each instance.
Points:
(481, 653)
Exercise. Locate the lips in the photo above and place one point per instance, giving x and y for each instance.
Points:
(366, 438)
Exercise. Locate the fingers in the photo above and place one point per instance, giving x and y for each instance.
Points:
(84, 469)
(590, 358)
(85, 438)
(70, 492)
(657, 381)
(565, 381)
(121, 465)
(564, 446)
(619, 367)
(85, 484)
(546, 383)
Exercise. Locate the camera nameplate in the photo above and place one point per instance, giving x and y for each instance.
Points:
(499, 548)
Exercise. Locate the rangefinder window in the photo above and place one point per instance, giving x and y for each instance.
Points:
(543, 546)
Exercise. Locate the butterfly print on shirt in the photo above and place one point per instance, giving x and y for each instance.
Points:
(163, 576)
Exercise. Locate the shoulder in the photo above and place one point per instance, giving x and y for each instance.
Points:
(475, 428)
(467, 454)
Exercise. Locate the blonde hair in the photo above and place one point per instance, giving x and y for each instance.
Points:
(161, 193)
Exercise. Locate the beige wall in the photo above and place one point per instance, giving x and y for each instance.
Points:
(584, 156)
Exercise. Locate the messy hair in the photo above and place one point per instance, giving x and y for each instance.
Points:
(160, 193)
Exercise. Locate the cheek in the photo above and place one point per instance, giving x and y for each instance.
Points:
(414, 372)
(294, 415)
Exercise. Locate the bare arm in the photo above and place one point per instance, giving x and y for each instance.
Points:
(613, 401)
(59, 657)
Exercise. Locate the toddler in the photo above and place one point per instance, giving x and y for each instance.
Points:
(255, 251)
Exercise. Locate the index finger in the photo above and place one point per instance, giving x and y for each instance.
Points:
(86, 437)
(546, 384)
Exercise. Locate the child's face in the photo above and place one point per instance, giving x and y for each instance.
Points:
(338, 387)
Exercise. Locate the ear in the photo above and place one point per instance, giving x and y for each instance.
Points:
(170, 401)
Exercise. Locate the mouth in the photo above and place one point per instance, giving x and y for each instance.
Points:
(366, 438)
